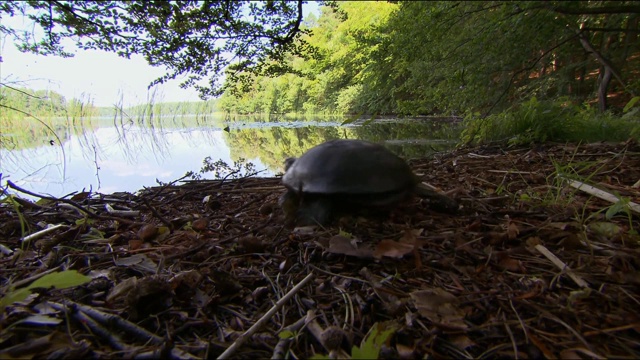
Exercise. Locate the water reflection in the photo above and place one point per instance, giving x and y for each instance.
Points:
(110, 156)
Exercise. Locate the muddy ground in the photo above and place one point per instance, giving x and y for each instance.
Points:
(529, 267)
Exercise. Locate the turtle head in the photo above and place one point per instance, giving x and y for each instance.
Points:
(313, 211)
(290, 202)
(288, 162)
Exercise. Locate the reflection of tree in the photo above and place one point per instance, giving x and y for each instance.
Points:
(274, 144)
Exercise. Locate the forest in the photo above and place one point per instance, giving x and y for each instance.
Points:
(536, 255)
(414, 58)
(578, 61)
(500, 65)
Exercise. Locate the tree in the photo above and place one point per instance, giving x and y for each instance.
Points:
(199, 39)
(455, 56)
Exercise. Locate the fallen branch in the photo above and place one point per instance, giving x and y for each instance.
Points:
(562, 266)
(247, 334)
(602, 194)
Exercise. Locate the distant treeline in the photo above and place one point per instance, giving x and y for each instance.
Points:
(21, 102)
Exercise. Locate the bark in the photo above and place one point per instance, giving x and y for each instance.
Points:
(605, 77)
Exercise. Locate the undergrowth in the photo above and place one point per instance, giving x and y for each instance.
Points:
(552, 121)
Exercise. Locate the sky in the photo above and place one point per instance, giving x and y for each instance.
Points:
(103, 77)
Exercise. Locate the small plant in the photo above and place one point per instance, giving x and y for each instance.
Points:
(10, 199)
(59, 280)
(222, 170)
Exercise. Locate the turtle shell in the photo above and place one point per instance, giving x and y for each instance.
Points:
(350, 167)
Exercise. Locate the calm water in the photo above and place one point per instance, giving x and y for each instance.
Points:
(108, 157)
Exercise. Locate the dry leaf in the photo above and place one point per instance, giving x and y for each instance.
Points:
(342, 245)
(462, 342)
(512, 231)
(405, 351)
(410, 236)
(135, 244)
(508, 263)
(394, 249)
(147, 232)
(440, 307)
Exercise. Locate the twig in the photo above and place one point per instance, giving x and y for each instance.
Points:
(43, 232)
(562, 266)
(281, 347)
(157, 214)
(5, 250)
(602, 194)
(114, 320)
(111, 210)
(70, 202)
(514, 344)
(96, 328)
(95, 161)
(247, 334)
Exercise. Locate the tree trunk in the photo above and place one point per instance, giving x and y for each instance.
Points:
(604, 79)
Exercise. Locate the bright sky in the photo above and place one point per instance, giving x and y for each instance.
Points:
(102, 76)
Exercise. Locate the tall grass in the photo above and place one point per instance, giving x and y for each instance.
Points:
(542, 121)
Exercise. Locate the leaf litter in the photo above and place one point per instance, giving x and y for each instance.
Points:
(532, 267)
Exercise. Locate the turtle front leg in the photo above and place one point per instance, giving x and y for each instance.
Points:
(316, 211)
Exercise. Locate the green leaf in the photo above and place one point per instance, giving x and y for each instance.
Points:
(614, 209)
(605, 229)
(320, 357)
(14, 296)
(352, 119)
(60, 280)
(286, 334)
(371, 345)
(630, 104)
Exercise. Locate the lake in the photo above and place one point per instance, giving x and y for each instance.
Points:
(107, 155)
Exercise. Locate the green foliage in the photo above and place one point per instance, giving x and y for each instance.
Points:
(378, 335)
(329, 81)
(222, 170)
(535, 121)
(444, 57)
(34, 102)
(59, 280)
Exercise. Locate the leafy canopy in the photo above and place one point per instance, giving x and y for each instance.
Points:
(196, 39)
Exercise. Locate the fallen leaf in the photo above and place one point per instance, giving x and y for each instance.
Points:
(394, 249)
(135, 244)
(405, 351)
(147, 232)
(251, 244)
(606, 229)
(462, 342)
(512, 231)
(508, 263)
(410, 236)
(121, 289)
(342, 245)
(200, 224)
(138, 262)
(440, 307)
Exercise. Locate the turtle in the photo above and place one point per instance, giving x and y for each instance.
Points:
(349, 176)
